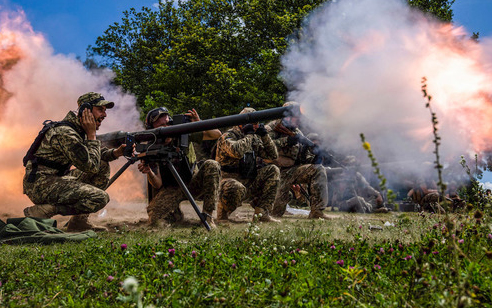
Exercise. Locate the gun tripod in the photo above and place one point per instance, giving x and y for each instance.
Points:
(178, 179)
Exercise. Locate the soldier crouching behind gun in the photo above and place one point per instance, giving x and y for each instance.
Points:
(296, 168)
(203, 184)
(49, 182)
(237, 152)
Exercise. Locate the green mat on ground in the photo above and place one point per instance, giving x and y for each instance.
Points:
(37, 230)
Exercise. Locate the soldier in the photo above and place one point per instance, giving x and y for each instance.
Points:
(49, 182)
(424, 192)
(296, 168)
(203, 182)
(350, 191)
(243, 179)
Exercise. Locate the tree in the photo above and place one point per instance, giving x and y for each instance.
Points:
(217, 56)
(439, 8)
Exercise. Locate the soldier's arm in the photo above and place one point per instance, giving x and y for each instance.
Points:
(235, 148)
(153, 174)
(85, 155)
(269, 149)
(108, 154)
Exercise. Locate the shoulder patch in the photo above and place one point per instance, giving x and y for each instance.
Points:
(80, 152)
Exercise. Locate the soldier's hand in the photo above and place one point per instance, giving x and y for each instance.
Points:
(194, 117)
(119, 151)
(88, 123)
(144, 168)
(291, 140)
(248, 129)
(283, 130)
(261, 130)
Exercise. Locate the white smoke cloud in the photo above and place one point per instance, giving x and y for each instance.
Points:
(41, 85)
(357, 68)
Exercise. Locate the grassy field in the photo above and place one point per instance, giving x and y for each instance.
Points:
(385, 260)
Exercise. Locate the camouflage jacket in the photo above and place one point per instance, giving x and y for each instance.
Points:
(288, 155)
(233, 144)
(64, 145)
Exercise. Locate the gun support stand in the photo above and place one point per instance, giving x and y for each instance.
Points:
(182, 185)
(130, 161)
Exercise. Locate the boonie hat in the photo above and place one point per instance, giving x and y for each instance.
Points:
(95, 99)
(247, 110)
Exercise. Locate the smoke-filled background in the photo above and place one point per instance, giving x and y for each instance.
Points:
(36, 85)
(357, 67)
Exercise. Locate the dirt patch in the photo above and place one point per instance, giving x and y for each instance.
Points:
(133, 216)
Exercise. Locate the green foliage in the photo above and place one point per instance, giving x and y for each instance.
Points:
(216, 56)
(439, 8)
(437, 139)
(388, 194)
(300, 263)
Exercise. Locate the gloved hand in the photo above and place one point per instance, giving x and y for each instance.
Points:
(261, 130)
(248, 129)
(291, 140)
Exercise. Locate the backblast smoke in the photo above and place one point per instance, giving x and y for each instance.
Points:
(36, 85)
(357, 66)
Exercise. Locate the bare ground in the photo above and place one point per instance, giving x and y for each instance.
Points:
(133, 216)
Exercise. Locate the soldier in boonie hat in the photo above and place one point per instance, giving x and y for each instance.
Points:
(95, 99)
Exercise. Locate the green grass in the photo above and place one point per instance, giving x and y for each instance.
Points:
(418, 262)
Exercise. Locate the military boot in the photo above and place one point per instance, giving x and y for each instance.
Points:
(78, 223)
(264, 216)
(316, 214)
(209, 218)
(40, 211)
(381, 210)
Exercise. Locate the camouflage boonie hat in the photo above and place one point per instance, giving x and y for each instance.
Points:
(247, 110)
(291, 103)
(154, 115)
(294, 110)
(95, 99)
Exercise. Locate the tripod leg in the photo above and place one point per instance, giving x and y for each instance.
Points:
(188, 194)
(122, 169)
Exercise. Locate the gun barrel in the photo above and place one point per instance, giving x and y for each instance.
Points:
(114, 139)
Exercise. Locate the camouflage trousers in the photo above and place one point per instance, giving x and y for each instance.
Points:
(312, 175)
(204, 185)
(260, 191)
(76, 193)
(430, 202)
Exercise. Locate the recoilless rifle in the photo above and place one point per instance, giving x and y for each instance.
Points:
(150, 145)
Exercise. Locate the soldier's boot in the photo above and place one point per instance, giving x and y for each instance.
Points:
(381, 210)
(40, 211)
(264, 216)
(222, 213)
(79, 223)
(317, 214)
(209, 218)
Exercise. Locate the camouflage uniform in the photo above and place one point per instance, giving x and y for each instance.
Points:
(261, 190)
(81, 191)
(352, 193)
(204, 185)
(424, 194)
(296, 169)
